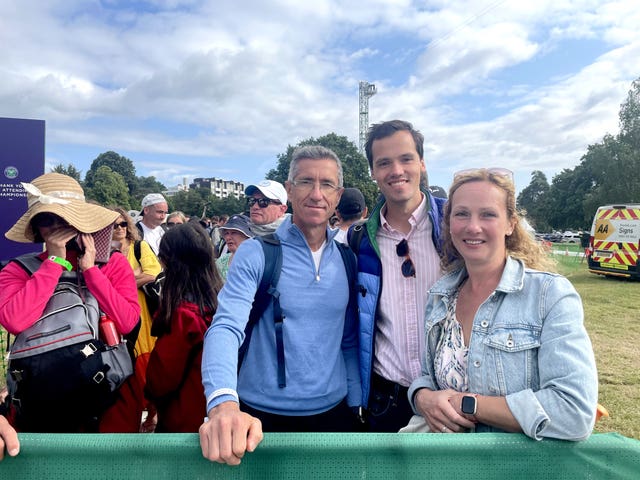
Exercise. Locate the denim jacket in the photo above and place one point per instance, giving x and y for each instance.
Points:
(529, 345)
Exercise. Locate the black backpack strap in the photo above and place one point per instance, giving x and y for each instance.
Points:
(354, 237)
(29, 262)
(266, 293)
(350, 266)
(136, 250)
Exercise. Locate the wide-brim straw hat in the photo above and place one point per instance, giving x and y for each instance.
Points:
(63, 196)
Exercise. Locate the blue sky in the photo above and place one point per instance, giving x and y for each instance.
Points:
(203, 88)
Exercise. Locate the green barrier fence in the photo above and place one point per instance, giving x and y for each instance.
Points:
(327, 456)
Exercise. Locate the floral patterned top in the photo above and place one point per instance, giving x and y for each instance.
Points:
(450, 360)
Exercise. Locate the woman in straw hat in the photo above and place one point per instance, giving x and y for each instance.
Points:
(76, 236)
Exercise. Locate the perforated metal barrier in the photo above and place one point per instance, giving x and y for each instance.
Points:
(327, 456)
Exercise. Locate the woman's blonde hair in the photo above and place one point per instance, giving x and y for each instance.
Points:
(520, 244)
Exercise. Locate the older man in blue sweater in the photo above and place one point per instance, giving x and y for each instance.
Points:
(319, 331)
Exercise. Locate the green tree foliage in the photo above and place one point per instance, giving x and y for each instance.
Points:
(145, 185)
(608, 173)
(109, 188)
(533, 200)
(191, 202)
(116, 163)
(630, 117)
(354, 165)
(69, 170)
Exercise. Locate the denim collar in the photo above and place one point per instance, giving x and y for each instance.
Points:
(512, 279)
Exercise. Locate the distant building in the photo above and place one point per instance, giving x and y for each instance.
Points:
(220, 188)
(173, 191)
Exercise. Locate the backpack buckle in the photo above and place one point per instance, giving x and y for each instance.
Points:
(17, 375)
(98, 377)
(89, 349)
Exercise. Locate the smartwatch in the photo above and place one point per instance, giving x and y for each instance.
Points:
(469, 404)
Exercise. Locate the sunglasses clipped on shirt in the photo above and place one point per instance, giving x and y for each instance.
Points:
(262, 202)
(402, 250)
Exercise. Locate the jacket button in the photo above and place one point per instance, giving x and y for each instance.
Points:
(476, 363)
(484, 324)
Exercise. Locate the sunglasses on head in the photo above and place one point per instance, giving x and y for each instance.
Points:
(262, 202)
(402, 250)
(498, 171)
(120, 224)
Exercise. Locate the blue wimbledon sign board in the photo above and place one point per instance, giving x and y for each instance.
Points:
(21, 160)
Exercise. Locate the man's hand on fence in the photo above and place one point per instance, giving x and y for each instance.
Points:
(229, 433)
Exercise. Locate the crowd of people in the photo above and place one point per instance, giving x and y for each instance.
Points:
(443, 316)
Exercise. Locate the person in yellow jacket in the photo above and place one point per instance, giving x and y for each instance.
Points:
(127, 413)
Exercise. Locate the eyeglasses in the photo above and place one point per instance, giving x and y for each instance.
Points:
(262, 202)
(402, 250)
(498, 171)
(120, 224)
(306, 186)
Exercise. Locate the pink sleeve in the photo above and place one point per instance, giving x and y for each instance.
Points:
(23, 298)
(114, 286)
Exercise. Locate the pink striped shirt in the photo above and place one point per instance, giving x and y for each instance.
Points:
(399, 337)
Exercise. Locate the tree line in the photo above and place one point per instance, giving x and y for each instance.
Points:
(608, 174)
(111, 180)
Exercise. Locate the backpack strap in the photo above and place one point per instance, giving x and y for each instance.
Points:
(350, 266)
(354, 237)
(266, 293)
(136, 251)
(29, 262)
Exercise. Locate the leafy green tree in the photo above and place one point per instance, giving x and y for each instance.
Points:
(116, 163)
(354, 164)
(109, 188)
(227, 205)
(145, 185)
(630, 117)
(533, 199)
(191, 202)
(70, 170)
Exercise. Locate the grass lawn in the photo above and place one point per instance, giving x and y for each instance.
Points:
(611, 318)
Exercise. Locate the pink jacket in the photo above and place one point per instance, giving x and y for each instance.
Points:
(23, 298)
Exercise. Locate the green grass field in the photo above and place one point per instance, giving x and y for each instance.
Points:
(611, 318)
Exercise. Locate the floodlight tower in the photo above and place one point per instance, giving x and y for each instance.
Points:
(367, 90)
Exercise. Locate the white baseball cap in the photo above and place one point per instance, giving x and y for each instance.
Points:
(270, 189)
(152, 199)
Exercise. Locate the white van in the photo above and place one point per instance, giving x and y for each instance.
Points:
(614, 239)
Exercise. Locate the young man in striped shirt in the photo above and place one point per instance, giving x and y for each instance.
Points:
(401, 241)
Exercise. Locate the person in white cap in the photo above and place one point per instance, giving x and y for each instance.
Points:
(267, 204)
(152, 227)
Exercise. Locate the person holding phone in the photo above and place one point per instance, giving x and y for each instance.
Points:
(506, 348)
(76, 234)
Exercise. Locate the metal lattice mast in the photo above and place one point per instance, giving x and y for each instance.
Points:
(367, 90)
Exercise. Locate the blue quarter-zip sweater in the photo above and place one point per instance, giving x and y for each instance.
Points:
(320, 339)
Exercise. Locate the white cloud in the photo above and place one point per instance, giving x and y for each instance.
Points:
(207, 79)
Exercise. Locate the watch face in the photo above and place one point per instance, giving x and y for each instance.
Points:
(469, 404)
